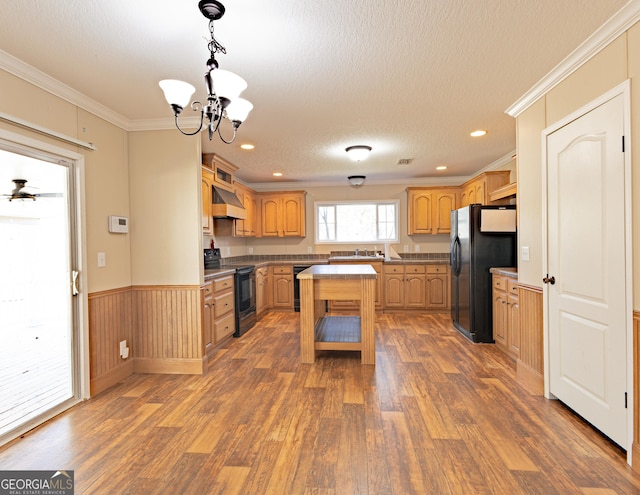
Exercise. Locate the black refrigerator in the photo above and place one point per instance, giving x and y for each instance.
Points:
(482, 237)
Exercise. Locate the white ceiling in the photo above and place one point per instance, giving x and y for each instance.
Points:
(411, 78)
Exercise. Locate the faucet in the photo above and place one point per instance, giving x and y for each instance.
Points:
(357, 252)
(366, 252)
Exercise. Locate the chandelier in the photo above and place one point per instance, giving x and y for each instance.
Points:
(223, 87)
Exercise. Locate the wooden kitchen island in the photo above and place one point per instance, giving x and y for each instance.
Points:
(320, 331)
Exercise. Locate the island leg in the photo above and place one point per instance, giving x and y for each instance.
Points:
(307, 321)
(367, 321)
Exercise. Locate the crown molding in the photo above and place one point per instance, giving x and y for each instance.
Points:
(603, 36)
(43, 81)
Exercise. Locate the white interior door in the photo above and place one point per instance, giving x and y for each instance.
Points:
(38, 355)
(587, 259)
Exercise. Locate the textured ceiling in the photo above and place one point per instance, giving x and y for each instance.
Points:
(411, 78)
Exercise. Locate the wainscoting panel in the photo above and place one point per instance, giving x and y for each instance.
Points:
(530, 365)
(109, 323)
(167, 329)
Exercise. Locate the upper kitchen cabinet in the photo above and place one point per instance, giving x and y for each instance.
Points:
(222, 170)
(478, 189)
(207, 182)
(247, 227)
(429, 209)
(282, 214)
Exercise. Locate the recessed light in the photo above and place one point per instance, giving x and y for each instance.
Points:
(441, 167)
(478, 133)
(277, 174)
(247, 146)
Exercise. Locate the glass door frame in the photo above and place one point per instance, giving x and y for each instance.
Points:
(24, 145)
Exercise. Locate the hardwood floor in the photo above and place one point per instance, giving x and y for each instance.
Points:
(436, 414)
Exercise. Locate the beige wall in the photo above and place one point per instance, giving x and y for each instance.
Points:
(106, 171)
(619, 61)
(164, 176)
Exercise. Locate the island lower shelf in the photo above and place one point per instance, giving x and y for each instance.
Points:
(335, 333)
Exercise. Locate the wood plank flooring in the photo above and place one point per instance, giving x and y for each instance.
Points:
(437, 414)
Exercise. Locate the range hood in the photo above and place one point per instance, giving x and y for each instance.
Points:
(226, 205)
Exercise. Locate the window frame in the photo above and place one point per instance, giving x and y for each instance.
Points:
(376, 203)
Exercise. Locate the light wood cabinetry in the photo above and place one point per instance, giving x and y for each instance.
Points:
(282, 286)
(416, 286)
(222, 170)
(405, 287)
(478, 189)
(207, 183)
(282, 214)
(218, 316)
(263, 290)
(429, 209)
(354, 305)
(506, 308)
(438, 287)
(247, 227)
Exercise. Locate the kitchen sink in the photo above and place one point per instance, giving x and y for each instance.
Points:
(355, 257)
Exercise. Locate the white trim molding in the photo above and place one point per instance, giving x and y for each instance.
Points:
(609, 31)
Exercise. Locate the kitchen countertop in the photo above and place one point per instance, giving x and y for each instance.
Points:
(229, 268)
(354, 271)
(505, 271)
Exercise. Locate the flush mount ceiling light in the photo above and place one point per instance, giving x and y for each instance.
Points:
(223, 87)
(356, 180)
(358, 153)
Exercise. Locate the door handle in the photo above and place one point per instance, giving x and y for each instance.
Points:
(74, 282)
(549, 280)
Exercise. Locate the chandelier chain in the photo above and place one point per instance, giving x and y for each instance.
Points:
(214, 45)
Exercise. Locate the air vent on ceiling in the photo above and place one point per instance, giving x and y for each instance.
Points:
(405, 161)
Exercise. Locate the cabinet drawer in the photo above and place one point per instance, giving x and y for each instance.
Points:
(223, 304)
(282, 270)
(415, 269)
(207, 289)
(393, 269)
(437, 269)
(499, 283)
(224, 327)
(512, 286)
(222, 283)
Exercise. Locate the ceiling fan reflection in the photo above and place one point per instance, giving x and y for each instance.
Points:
(19, 192)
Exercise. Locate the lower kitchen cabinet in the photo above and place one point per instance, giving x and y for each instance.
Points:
(506, 327)
(263, 290)
(218, 311)
(416, 286)
(438, 287)
(282, 287)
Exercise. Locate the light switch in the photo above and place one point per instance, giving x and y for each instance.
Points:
(525, 253)
(102, 260)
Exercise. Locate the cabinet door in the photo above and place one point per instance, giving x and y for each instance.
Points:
(270, 212)
(207, 316)
(480, 191)
(444, 204)
(293, 220)
(207, 219)
(437, 291)
(420, 212)
(500, 318)
(283, 291)
(514, 326)
(414, 295)
(394, 290)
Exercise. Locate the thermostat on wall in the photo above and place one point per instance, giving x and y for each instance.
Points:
(118, 225)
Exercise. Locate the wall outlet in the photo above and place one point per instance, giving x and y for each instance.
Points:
(124, 350)
(309, 249)
(525, 253)
(102, 260)
(250, 250)
(406, 248)
(417, 248)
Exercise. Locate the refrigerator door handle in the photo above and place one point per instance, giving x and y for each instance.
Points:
(455, 256)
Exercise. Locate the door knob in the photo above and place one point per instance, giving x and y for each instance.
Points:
(549, 280)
